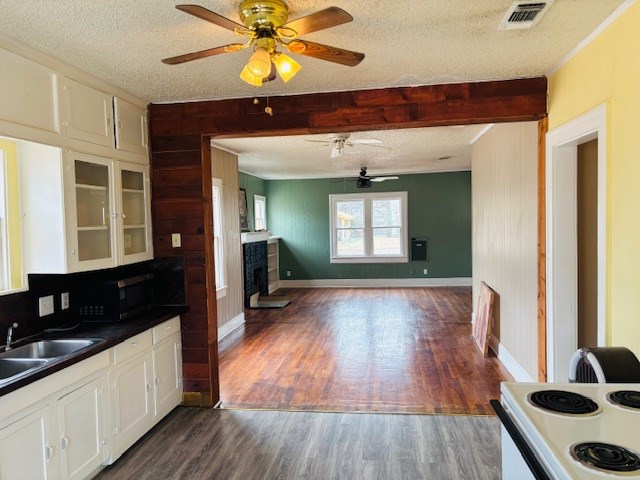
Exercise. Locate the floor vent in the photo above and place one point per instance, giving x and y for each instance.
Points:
(523, 15)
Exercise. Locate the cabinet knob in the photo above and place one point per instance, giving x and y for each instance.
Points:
(64, 443)
(134, 344)
(49, 453)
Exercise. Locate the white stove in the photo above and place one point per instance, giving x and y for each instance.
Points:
(579, 445)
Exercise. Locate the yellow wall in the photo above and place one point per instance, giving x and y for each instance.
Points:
(13, 206)
(608, 71)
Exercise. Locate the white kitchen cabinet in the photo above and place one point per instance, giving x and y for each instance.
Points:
(25, 447)
(29, 97)
(167, 367)
(96, 211)
(81, 430)
(91, 212)
(131, 127)
(132, 402)
(89, 114)
(135, 213)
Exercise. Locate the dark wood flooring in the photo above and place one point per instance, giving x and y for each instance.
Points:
(376, 350)
(197, 443)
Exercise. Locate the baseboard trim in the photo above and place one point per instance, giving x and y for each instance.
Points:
(230, 326)
(510, 363)
(377, 282)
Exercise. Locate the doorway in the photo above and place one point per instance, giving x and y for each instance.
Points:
(576, 239)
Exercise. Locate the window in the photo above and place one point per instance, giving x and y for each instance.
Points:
(11, 271)
(259, 213)
(369, 228)
(218, 243)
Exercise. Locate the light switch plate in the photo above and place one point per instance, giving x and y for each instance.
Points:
(64, 301)
(176, 240)
(45, 305)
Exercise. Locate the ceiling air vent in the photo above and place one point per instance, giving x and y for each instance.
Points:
(523, 15)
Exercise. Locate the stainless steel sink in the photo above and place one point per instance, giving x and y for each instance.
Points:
(48, 349)
(25, 359)
(14, 367)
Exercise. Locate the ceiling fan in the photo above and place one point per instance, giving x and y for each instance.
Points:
(339, 141)
(264, 23)
(364, 181)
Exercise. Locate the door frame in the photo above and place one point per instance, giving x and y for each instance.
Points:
(562, 276)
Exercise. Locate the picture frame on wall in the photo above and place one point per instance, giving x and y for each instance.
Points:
(244, 213)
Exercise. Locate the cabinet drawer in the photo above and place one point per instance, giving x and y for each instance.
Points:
(165, 329)
(132, 347)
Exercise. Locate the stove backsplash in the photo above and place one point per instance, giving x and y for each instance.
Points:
(23, 307)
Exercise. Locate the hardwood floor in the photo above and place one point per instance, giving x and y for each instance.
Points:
(198, 443)
(376, 350)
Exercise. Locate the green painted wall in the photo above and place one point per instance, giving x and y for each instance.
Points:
(439, 209)
(253, 186)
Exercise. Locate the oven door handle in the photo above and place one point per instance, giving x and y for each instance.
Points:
(532, 461)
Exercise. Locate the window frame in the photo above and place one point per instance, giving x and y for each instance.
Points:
(218, 233)
(259, 199)
(367, 199)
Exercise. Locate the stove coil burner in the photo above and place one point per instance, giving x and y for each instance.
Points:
(561, 401)
(625, 398)
(606, 457)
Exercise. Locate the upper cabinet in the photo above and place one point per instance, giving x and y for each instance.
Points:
(131, 127)
(96, 117)
(89, 114)
(28, 97)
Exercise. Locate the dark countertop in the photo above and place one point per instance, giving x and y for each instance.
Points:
(112, 333)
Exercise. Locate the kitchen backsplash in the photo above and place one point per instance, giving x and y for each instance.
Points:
(23, 307)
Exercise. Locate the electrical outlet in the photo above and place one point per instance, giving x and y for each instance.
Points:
(45, 305)
(425, 271)
(64, 301)
(288, 273)
(176, 240)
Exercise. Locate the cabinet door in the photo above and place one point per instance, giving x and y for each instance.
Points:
(89, 114)
(90, 212)
(25, 451)
(131, 127)
(80, 417)
(135, 211)
(132, 403)
(167, 368)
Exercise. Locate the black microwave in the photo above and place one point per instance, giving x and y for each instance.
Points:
(114, 300)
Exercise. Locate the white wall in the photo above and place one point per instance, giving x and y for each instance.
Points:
(224, 165)
(505, 236)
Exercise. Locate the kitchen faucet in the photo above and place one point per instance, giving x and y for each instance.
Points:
(7, 347)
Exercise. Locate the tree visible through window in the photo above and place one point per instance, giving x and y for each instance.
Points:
(369, 227)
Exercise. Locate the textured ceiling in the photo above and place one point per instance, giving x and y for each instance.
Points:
(416, 42)
(411, 150)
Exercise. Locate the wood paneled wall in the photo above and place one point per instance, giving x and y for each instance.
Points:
(504, 185)
(180, 162)
(224, 165)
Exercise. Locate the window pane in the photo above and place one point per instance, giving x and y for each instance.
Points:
(386, 213)
(350, 242)
(350, 214)
(386, 241)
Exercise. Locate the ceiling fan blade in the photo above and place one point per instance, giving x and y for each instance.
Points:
(325, 52)
(326, 142)
(327, 18)
(209, 16)
(382, 179)
(187, 57)
(365, 141)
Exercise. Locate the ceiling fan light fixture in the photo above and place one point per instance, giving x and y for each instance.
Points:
(250, 78)
(287, 67)
(260, 63)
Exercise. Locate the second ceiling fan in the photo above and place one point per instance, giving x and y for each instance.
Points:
(264, 22)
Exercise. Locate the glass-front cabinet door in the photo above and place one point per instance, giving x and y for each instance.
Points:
(95, 213)
(136, 242)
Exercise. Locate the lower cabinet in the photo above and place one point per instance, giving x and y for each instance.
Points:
(82, 434)
(26, 449)
(97, 413)
(131, 403)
